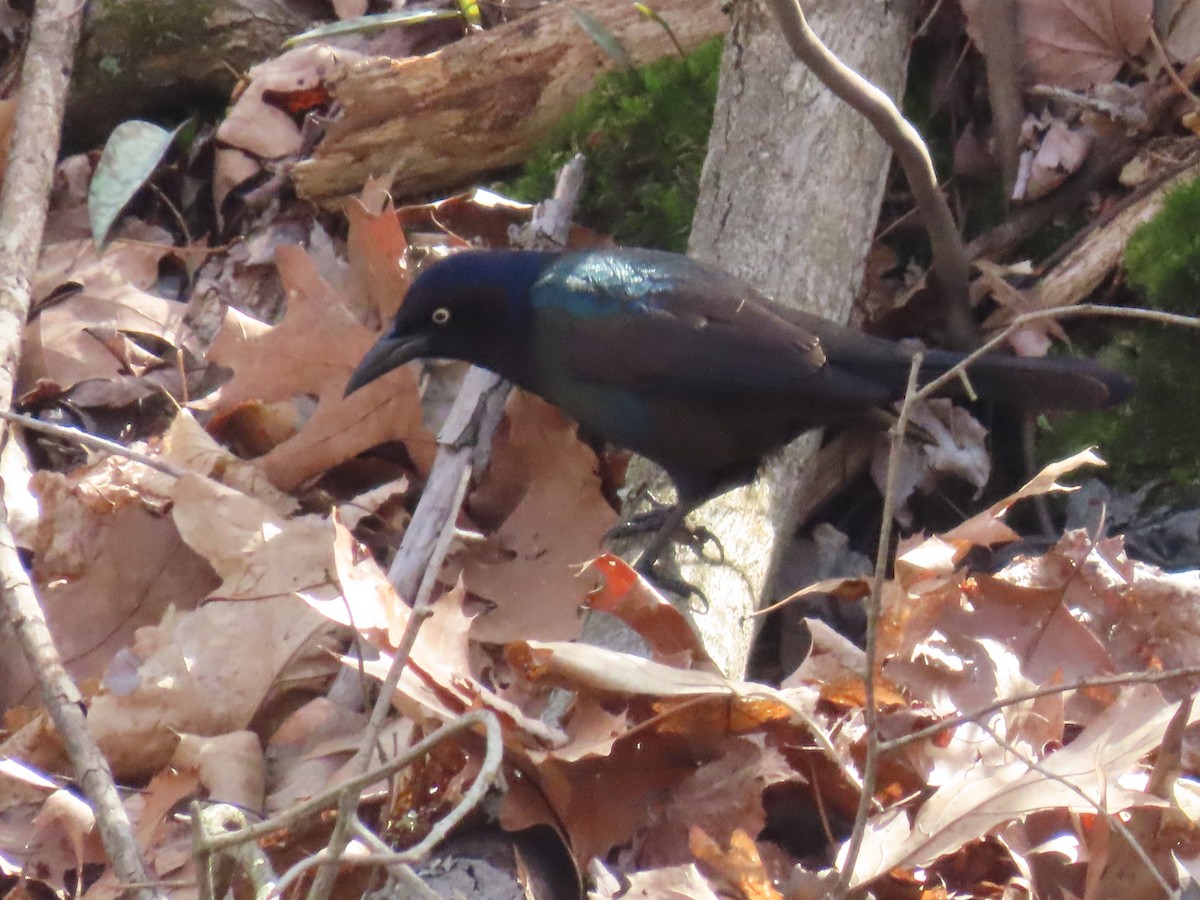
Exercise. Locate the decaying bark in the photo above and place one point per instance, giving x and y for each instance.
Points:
(437, 121)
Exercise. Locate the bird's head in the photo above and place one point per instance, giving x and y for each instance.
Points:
(469, 306)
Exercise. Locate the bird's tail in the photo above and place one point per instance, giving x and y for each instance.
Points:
(1035, 383)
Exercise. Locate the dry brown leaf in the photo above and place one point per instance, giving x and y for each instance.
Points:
(230, 766)
(161, 798)
(1060, 151)
(438, 683)
(84, 562)
(64, 821)
(311, 353)
(628, 596)
(1148, 619)
(675, 882)
(190, 447)
(311, 745)
(740, 866)
(985, 797)
(370, 601)
(263, 128)
(1074, 43)
(62, 343)
(599, 801)
(831, 658)
(914, 563)
(601, 669)
(722, 797)
(171, 852)
(349, 9)
(530, 567)
(956, 447)
(231, 168)
(1178, 22)
(122, 263)
(258, 553)
(1032, 339)
(375, 247)
(196, 674)
(591, 731)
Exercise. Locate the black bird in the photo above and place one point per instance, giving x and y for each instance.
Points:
(680, 362)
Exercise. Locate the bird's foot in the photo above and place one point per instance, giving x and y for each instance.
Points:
(667, 524)
(653, 520)
(672, 582)
(661, 518)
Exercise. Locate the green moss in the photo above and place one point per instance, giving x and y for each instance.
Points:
(1157, 435)
(644, 134)
(142, 28)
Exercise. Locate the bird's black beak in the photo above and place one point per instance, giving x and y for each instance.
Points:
(389, 353)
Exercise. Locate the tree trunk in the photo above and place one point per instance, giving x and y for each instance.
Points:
(789, 199)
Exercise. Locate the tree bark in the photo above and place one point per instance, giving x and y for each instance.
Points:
(437, 121)
(789, 199)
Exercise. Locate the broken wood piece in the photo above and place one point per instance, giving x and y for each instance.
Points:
(432, 122)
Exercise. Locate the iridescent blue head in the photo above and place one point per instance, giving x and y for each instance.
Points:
(470, 306)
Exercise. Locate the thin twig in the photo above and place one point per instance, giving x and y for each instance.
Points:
(302, 812)
(958, 370)
(950, 262)
(473, 418)
(421, 610)
(1170, 67)
(870, 652)
(92, 442)
(981, 712)
(45, 78)
(1114, 822)
(489, 776)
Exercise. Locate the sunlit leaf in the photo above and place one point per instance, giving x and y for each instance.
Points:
(604, 38)
(367, 24)
(133, 152)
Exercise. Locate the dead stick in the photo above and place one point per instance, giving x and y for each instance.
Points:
(45, 76)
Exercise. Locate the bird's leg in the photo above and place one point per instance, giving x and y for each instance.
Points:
(667, 522)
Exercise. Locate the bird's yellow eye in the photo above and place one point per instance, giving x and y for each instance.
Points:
(440, 316)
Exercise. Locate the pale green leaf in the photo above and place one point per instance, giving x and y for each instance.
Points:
(133, 152)
(605, 39)
(367, 24)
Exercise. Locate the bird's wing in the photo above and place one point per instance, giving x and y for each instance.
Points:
(660, 324)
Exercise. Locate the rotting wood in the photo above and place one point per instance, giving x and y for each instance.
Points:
(481, 104)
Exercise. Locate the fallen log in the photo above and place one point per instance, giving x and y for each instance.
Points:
(438, 121)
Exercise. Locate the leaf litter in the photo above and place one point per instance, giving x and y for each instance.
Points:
(663, 768)
(221, 605)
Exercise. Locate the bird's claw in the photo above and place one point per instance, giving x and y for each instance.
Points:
(651, 520)
(699, 537)
(669, 581)
(695, 538)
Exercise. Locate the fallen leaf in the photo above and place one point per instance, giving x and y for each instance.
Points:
(230, 766)
(530, 568)
(1074, 43)
(984, 797)
(311, 353)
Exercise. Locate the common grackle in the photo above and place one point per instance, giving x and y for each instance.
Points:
(681, 362)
